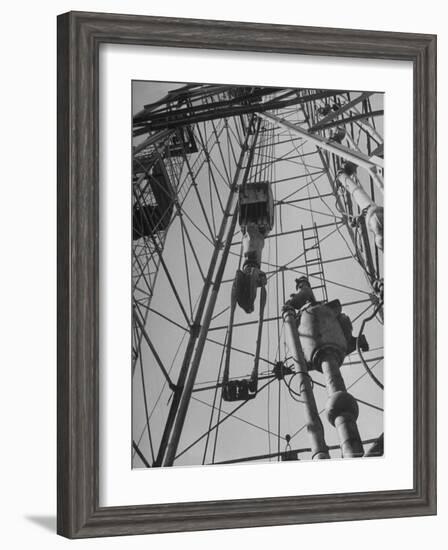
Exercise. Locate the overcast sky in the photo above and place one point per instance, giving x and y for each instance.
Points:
(248, 434)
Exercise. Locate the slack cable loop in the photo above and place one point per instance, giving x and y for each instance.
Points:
(363, 361)
(299, 393)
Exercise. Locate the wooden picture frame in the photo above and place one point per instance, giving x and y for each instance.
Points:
(79, 37)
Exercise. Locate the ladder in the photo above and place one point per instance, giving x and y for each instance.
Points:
(313, 262)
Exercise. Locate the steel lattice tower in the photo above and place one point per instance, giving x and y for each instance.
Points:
(320, 153)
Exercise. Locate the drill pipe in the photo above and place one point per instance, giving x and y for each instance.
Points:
(313, 422)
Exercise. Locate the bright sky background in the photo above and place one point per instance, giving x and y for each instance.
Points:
(248, 434)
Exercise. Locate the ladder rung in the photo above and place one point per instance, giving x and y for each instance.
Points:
(316, 273)
(309, 238)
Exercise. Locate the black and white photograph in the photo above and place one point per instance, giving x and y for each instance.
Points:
(257, 274)
(197, 352)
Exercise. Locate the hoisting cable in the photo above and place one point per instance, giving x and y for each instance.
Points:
(253, 380)
(277, 292)
(272, 174)
(238, 390)
(225, 378)
(254, 374)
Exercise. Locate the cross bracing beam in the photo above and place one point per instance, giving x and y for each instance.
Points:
(357, 157)
(271, 319)
(292, 231)
(203, 113)
(347, 120)
(315, 382)
(342, 109)
(274, 455)
(152, 140)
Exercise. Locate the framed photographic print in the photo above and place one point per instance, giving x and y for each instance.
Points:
(238, 344)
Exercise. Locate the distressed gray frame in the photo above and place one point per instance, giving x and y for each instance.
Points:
(79, 37)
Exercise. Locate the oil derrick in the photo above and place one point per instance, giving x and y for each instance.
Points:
(239, 191)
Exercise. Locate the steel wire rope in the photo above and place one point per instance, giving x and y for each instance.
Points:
(269, 354)
(268, 407)
(236, 418)
(278, 322)
(215, 442)
(228, 415)
(273, 177)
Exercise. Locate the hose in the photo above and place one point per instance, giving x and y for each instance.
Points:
(358, 349)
